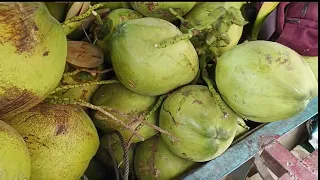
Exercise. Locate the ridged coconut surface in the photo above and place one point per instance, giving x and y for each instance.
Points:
(61, 140)
(192, 114)
(14, 156)
(33, 50)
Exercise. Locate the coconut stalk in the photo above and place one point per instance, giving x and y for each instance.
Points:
(73, 23)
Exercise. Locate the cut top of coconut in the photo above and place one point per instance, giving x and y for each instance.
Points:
(84, 54)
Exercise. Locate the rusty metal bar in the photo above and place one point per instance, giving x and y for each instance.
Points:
(296, 169)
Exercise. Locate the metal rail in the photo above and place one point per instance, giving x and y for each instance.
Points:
(247, 148)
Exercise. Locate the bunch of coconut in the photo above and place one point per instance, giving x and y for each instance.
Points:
(147, 89)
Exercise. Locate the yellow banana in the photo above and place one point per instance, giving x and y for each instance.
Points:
(265, 10)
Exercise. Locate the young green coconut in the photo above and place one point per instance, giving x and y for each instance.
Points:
(169, 11)
(214, 27)
(128, 107)
(109, 26)
(33, 50)
(61, 140)
(154, 160)
(265, 81)
(145, 69)
(193, 114)
(14, 156)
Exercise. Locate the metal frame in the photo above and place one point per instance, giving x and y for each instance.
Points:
(248, 147)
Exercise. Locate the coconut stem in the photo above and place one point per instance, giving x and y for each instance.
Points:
(69, 101)
(207, 79)
(86, 70)
(84, 15)
(214, 51)
(174, 40)
(216, 14)
(147, 115)
(72, 86)
(156, 106)
(214, 93)
(173, 12)
(243, 125)
(237, 17)
(98, 17)
(75, 22)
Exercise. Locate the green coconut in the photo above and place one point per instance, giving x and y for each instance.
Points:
(265, 81)
(161, 9)
(203, 14)
(33, 50)
(313, 63)
(154, 160)
(61, 140)
(149, 70)
(14, 156)
(127, 106)
(192, 115)
(110, 25)
(198, 17)
(117, 151)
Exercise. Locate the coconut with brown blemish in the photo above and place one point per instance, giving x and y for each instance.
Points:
(61, 140)
(33, 50)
